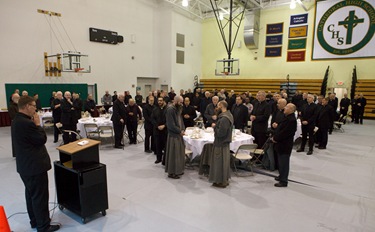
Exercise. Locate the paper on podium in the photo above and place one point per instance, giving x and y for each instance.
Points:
(84, 142)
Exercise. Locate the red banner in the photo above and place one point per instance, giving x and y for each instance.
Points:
(295, 56)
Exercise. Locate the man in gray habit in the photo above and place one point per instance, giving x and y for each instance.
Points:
(175, 150)
(220, 166)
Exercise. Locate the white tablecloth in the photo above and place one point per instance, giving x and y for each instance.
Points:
(196, 145)
(100, 121)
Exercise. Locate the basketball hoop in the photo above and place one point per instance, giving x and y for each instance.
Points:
(79, 71)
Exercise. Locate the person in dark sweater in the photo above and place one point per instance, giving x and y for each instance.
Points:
(259, 118)
(33, 163)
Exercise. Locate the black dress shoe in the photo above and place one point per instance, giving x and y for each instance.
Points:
(309, 152)
(301, 150)
(119, 147)
(53, 228)
(148, 151)
(316, 146)
(280, 184)
(322, 148)
(277, 178)
(158, 161)
(173, 176)
(55, 141)
(220, 185)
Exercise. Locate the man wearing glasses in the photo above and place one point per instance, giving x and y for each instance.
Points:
(33, 162)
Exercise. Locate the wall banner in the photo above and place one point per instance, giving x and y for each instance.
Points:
(298, 19)
(300, 31)
(275, 28)
(272, 40)
(297, 44)
(273, 51)
(296, 56)
(344, 29)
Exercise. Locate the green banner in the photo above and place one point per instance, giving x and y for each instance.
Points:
(297, 44)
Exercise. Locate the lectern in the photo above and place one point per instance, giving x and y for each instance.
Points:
(81, 180)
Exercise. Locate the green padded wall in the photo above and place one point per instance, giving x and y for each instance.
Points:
(45, 90)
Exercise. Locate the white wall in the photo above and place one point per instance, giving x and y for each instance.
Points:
(25, 36)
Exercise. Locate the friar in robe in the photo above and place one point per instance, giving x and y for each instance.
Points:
(175, 150)
(220, 166)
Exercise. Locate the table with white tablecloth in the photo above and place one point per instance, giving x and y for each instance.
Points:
(99, 121)
(196, 144)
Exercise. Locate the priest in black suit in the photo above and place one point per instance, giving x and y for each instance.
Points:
(283, 143)
(33, 163)
(119, 118)
(308, 118)
(324, 121)
(259, 117)
(240, 114)
(188, 113)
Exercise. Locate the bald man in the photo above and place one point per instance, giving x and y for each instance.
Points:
(283, 143)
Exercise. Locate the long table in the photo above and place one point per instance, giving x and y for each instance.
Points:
(207, 136)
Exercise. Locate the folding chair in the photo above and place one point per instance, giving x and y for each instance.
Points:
(91, 130)
(47, 122)
(244, 154)
(106, 132)
(188, 158)
(70, 132)
(139, 130)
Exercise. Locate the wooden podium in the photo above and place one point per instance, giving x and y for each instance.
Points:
(81, 180)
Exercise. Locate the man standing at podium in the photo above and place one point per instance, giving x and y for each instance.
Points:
(33, 162)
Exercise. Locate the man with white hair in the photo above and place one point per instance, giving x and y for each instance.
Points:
(133, 114)
(56, 114)
(119, 119)
(259, 117)
(210, 112)
(308, 119)
(68, 119)
(13, 106)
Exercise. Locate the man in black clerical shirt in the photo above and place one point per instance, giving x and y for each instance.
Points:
(188, 113)
(308, 118)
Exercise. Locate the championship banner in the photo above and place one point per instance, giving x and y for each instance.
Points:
(344, 29)
(272, 40)
(275, 28)
(297, 44)
(296, 56)
(273, 52)
(300, 31)
(298, 19)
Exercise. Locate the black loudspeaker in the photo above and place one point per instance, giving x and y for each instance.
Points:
(120, 39)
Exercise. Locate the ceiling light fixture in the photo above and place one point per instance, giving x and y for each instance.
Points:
(221, 16)
(293, 4)
(185, 3)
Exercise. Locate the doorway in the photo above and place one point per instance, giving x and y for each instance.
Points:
(340, 93)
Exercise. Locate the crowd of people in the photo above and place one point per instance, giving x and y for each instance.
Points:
(166, 116)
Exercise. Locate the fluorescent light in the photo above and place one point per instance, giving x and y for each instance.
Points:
(293, 4)
(221, 16)
(185, 3)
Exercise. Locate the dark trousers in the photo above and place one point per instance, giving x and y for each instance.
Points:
(148, 136)
(119, 133)
(131, 126)
(323, 135)
(259, 138)
(56, 131)
(307, 130)
(283, 160)
(69, 137)
(37, 196)
(359, 116)
(160, 143)
(106, 107)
